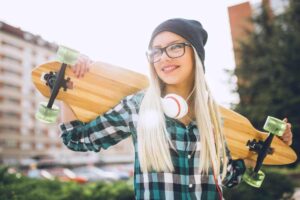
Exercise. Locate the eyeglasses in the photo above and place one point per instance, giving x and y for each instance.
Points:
(173, 51)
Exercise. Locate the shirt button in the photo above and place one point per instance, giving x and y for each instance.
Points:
(189, 156)
(190, 185)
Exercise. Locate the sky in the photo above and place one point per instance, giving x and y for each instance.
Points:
(118, 31)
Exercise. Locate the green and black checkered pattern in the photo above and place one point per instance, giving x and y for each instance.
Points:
(184, 183)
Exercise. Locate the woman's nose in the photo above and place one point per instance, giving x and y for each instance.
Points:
(164, 56)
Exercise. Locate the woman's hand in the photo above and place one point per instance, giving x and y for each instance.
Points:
(287, 136)
(82, 66)
(249, 163)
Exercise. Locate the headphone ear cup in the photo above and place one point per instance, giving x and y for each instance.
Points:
(170, 107)
(174, 106)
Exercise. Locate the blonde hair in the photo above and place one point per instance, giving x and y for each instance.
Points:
(154, 141)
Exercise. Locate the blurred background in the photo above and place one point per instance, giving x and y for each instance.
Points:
(252, 62)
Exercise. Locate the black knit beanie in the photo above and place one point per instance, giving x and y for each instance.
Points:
(191, 30)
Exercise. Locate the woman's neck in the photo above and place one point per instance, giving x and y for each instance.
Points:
(183, 90)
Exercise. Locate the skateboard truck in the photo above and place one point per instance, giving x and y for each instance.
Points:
(256, 146)
(48, 112)
(50, 79)
(255, 177)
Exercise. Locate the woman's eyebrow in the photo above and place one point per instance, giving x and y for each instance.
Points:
(172, 42)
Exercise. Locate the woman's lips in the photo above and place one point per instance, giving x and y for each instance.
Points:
(169, 68)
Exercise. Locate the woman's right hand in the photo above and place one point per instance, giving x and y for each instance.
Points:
(82, 66)
(249, 163)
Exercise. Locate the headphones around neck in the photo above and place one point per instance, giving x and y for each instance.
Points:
(174, 106)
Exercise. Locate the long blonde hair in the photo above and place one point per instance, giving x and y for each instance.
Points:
(153, 139)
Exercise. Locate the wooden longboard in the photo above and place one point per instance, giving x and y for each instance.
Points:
(239, 131)
(98, 91)
(105, 85)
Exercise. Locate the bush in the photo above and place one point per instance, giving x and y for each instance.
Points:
(275, 186)
(17, 187)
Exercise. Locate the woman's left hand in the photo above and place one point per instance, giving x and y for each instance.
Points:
(287, 136)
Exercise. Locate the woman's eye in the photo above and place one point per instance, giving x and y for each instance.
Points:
(175, 47)
(155, 52)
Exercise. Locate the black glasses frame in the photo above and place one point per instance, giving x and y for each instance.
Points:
(164, 49)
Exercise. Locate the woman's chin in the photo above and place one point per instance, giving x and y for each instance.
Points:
(171, 81)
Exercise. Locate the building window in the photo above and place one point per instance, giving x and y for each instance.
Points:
(13, 100)
(10, 58)
(52, 133)
(11, 143)
(7, 128)
(10, 115)
(24, 131)
(11, 72)
(39, 146)
(53, 146)
(25, 146)
(11, 87)
(28, 36)
(6, 43)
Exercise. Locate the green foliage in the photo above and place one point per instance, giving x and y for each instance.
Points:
(16, 187)
(275, 186)
(269, 69)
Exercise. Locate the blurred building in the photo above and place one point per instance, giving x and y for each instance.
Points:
(239, 18)
(21, 136)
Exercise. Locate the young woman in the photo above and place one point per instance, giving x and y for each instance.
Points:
(177, 155)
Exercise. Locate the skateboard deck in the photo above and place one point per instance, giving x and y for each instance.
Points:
(239, 133)
(99, 90)
(105, 85)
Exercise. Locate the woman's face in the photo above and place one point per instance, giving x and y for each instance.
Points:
(178, 70)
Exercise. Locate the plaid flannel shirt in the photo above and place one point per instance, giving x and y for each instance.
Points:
(184, 183)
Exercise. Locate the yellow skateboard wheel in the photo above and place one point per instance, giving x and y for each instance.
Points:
(254, 179)
(67, 55)
(47, 115)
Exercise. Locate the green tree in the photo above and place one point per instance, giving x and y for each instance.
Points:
(275, 186)
(269, 69)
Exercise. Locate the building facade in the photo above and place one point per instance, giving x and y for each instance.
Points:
(21, 135)
(239, 19)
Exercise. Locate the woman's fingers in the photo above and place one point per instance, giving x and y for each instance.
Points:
(81, 66)
(77, 67)
(82, 69)
(249, 163)
(287, 136)
(89, 64)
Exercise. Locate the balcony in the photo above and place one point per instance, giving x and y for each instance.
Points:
(11, 122)
(10, 65)
(11, 79)
(10, 93)
(11, 51)
(10, 107)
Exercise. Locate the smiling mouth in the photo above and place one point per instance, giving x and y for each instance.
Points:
(169, 68)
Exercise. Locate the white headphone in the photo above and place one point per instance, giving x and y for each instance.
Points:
(174, 106)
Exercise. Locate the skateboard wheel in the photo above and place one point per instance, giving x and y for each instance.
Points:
(254, 179)
(47, 115)
(67, 55)
(274, 126)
